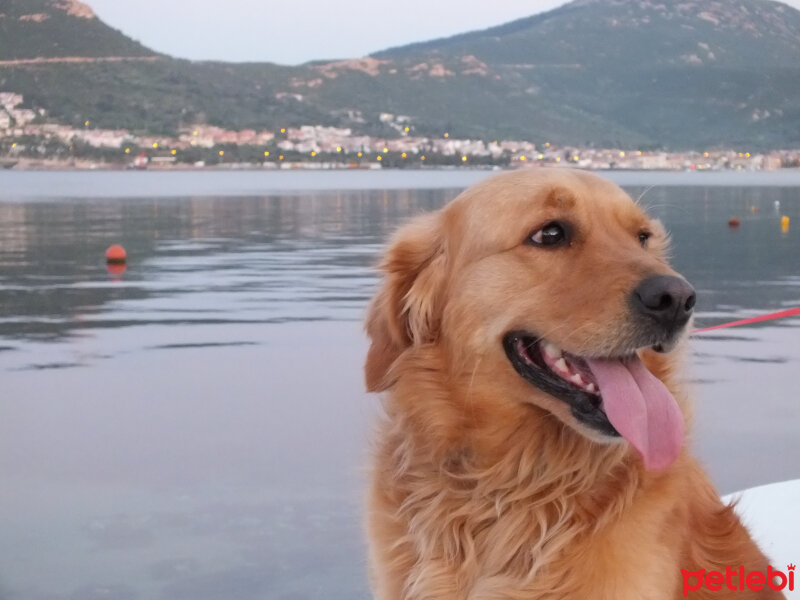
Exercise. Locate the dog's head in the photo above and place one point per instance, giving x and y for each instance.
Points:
(541, 287)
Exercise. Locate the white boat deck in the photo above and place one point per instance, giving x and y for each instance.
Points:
(772, 514)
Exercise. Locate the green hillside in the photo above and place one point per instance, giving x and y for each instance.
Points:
(631, 34)
(158, 96)
(678, 72)
(647, 73)
(56, 28)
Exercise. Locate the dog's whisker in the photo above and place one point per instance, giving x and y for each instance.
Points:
(639, 198)
(470, 396)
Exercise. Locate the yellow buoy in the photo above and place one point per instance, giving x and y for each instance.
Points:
(784, 224)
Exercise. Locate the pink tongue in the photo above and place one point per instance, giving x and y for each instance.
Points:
(641, 408)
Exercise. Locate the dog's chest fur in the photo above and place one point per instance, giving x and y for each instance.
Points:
(513, 529)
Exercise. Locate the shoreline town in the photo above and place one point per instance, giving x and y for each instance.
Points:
(29, 141)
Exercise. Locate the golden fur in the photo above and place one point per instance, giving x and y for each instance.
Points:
(484, 487)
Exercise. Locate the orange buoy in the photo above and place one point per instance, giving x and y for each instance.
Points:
(116, 255)
(733, 223)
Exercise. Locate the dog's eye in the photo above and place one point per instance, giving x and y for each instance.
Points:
(551, 234)
(643, 237)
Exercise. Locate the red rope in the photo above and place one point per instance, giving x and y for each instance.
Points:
(776, 315)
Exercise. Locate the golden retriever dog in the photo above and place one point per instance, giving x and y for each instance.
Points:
(527, 337)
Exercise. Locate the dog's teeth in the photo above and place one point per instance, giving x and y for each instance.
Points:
(591, 388)
(551, 350)
(577, 380)
(561, 365)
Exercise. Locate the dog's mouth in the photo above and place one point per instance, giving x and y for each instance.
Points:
(614, 396)
(563, 375)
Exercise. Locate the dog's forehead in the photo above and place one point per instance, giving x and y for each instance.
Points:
(507, 202)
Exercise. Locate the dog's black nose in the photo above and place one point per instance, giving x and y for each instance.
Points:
(666, 298)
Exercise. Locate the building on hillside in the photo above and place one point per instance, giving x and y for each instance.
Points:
(10, 100)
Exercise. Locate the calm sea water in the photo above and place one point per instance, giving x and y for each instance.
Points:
(196, 427)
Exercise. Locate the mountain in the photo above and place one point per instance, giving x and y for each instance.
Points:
(63, 59)
(611, 34)
(636, 73)
(59, 28)
(680, 72)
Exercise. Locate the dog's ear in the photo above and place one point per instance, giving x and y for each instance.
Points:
(407, 309)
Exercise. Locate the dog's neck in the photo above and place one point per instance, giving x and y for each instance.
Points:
(469, 444)
(458, 471)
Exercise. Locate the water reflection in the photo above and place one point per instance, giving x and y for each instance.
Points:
(245, 260)
(286, 258)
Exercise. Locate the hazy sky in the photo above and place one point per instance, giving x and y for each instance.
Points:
(295, 31)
